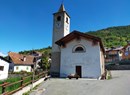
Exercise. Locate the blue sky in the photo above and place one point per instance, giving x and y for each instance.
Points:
(27, 24)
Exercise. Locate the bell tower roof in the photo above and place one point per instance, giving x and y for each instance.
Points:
(62, 8)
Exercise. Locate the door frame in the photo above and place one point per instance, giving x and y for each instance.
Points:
(78, 70)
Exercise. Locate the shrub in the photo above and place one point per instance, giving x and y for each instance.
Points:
(108, 75)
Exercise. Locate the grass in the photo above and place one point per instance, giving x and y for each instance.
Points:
(12, 87)
(27, 80)
(0, 90)
(17, 85)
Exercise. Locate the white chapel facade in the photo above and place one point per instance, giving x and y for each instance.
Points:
(75, 52)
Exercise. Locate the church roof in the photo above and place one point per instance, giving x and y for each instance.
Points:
(77, 34)
(62, 8)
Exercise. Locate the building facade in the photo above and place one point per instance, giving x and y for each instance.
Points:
(81, 54)
(23, 62)
(114, 55)
(4, 68)
(75, 52)
(126, 52)
(61, 27)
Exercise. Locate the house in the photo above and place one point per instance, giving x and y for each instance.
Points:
(126, 52)
(75, 52)
(113, 55)
(22, 62)
(38, 56)
(4, 67)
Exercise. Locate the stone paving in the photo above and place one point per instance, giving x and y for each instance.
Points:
(118, 85)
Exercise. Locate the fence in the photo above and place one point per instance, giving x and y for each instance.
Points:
(118, 67)
(9, 88)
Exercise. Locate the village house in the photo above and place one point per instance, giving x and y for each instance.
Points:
(126, 52)
(22, 62)
(75, 52)
(38, 56)
(4, 67)
(113, 55)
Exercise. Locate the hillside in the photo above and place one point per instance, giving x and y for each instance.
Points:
(113, 36)
(45, 51)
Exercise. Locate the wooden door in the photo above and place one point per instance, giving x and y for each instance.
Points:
(79, 71)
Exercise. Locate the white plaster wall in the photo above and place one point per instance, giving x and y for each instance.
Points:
(22, 68)
(59, 32)
(102, 61)
(66, 25)
(4, 73)
(89, 60)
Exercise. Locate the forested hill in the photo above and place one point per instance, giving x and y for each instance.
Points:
(113, 36)
(45, 51)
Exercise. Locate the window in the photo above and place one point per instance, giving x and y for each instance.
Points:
(79, 48)
(17, 68)
(59, 18)
(1, 68)
(128, 48)
(27, 68)
(67, 20)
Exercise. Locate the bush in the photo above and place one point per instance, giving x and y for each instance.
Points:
(108, 75)
(22, 73)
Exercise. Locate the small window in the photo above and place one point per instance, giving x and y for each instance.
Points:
(17, 68)
(59, 18)
(27, 68)
(128, 48)
(1, 68)
(66, 19)
(79, 48)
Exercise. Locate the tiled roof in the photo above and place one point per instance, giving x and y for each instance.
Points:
(21, 59)
(114, 49)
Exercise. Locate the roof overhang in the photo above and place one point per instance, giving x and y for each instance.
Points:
(76, 35)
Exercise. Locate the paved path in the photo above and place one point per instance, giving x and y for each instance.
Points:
(119, 85)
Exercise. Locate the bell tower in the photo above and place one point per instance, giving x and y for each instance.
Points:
(61, 28)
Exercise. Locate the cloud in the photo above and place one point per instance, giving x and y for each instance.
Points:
(2, 54)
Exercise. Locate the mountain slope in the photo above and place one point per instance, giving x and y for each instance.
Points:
(45, 51)
(113, 36)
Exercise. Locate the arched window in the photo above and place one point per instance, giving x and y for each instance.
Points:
(67, 20)
(79, 48)
(59, 18)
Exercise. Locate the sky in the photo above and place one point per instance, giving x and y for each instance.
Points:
(28, 24)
